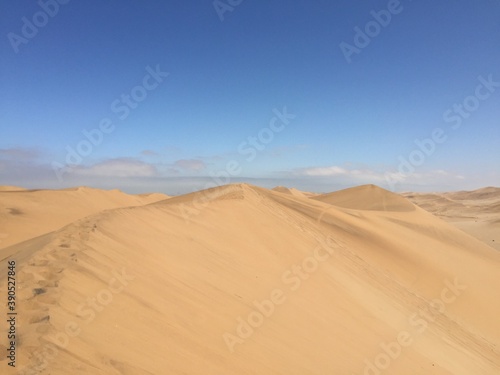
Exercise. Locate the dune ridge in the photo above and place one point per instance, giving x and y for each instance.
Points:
(25, 214)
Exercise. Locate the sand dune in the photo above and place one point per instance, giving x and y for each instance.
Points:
(25, 214)
(476, 212)
(366, 197)
(245, 280)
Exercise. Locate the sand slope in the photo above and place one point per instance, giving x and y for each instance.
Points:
(176, 287)
(475, 212)
(25, 214)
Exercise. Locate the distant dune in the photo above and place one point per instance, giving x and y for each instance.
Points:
(294, 192)
(366, 197)
(479, 194)
(476, 212)
(25, 214)
(244, 280)
(11, 188)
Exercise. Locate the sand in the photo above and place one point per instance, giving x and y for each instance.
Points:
(244, 280)
(294, 192)
(475, 212)
(11, 188)
(25, 214)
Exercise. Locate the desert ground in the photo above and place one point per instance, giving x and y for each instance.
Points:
(240, 279)
(475, 212)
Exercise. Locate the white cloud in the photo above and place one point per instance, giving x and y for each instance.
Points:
(117, 168)
(344, 175)
(323, 171)
(336, 171)
(190, 164)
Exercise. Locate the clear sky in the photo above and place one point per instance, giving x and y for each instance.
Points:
(173, 95)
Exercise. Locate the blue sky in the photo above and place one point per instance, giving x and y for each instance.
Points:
(334, 94)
